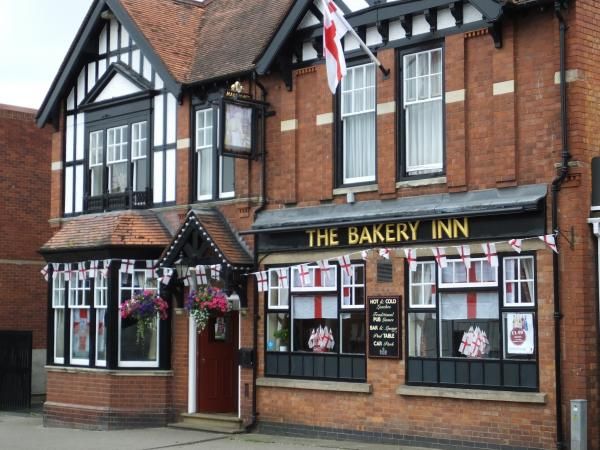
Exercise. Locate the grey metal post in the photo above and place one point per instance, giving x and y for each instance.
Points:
(578, 424)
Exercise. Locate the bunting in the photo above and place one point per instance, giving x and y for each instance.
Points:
(439, 253)
(411, 259)
(490, 253)
(550, 242)
(282, 278)
(464, 251)
(516, 244)
(262, 281)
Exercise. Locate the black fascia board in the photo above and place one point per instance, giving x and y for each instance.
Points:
(70, 62)
(114, 68)
(287, 27)
(146, 49)
(77, 254)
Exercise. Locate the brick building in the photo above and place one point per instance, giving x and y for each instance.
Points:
(386, 252)
(24, 174)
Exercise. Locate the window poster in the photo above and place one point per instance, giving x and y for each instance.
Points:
(238, 128)
(520, 333)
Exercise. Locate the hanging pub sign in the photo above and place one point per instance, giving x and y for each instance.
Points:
(239, 116)
(384, 327)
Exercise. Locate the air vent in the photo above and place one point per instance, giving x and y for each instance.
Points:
(384, 271)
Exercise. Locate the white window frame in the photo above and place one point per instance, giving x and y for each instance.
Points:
(352, 285)
(58, 304)
(225, 194)
(433, 167)
(120, 147)
(468, 284)
(518, 281)
(100, 303)
(96, 159)
(203, 148)
(274, 287)
(311, 269)
(139, 141)
(133, 291)
(422, 285)
(355, 91)
(79, 288)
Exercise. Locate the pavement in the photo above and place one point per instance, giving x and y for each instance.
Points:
(24, 431)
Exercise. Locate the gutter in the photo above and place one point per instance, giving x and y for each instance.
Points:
(556, 185)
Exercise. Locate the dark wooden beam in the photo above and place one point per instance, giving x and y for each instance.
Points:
(496, 32)
(456, 8)
(406, 22)
(431, 18)
(383, 28)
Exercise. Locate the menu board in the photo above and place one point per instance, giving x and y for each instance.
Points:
(384, 327)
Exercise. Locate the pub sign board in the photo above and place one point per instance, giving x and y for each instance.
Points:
(384, 326)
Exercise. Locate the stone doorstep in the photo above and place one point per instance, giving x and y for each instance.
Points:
(216, 423)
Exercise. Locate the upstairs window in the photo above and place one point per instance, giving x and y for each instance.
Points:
(214, 173)
(358, 103)
(422, 79)
(118, 164)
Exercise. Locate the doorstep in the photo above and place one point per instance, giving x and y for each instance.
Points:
(216, 423)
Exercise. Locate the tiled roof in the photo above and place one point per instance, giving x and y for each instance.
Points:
(200, 41)
(219, 232)
(117, 229)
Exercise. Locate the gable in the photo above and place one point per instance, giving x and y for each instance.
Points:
(118, 86)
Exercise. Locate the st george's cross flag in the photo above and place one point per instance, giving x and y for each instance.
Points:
(335, 27)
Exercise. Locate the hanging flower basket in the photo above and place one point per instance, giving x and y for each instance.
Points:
(205, 303)
(144, 308)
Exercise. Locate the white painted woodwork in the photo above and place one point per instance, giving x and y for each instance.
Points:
(91, 74)
(136, 61)
(373, 37)
(170, 175)
(158, 82)
(158, 177)
(71, 100)
(471, 14)
(171, 119)
(101, 67)
(79, 188)
(79, 137)
(69, 190)
(445, 19)
(308, 52)
(81, 86)
(308, 21)
(356, 5)
(350, 43)
(420, 25)
(124, 38)
(158, 120)
(147, 69)
(118, 86)
(396, 31)
(102, 41)
(192, 339)
(114, 35)
(70, 138)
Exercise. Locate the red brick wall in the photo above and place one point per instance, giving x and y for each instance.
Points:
(25, 187)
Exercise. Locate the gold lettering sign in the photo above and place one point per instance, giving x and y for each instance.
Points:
(388, 233)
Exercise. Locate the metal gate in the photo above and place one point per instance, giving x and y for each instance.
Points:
(15, 369)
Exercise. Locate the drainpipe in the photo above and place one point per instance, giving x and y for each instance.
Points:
(556, 185)
(262, 205)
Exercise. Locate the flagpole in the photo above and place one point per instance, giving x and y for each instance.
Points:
(384, 71)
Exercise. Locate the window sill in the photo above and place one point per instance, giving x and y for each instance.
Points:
(472, 394)
(421, 182)
(315, 385)
(356, 189)
(115, 373)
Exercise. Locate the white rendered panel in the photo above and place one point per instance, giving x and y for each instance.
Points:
(112, 59)
(69, 190)
(124, 38)
(91, 75)
(171, 119)
(308, 21)
(170, 176)
(71, 100)
(135, 61)
(445, 19)
(101, 67)
(114, 35)
(420, 25)
(396, 31)
(350, 43)
(79, 143)
(308, 52)
(158, 177)
(70, 138)
(102, 41)
(356, 5)
(147, 69)
(158, 82)
(81, 86)
(471, 14)
(79, 188)
(158, 120)
(118, 86)
(373, 36)
(124, 58)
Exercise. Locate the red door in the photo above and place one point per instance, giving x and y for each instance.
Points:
(217, 365)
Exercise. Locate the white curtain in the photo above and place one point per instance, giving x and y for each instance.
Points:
(359, 142)
(424, 140)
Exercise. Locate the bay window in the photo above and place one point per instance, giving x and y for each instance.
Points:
(118, 164)
(133, 350)
(422, 113)
(214, 172)
(473, 325)
(358, 104)
(316, 327)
